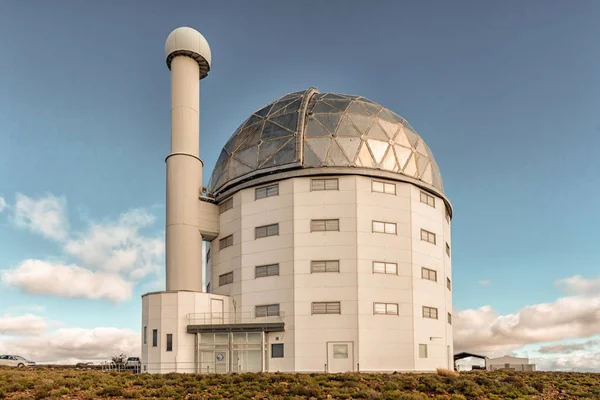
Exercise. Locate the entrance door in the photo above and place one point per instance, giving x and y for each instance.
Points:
(340, 356)
(216, 311)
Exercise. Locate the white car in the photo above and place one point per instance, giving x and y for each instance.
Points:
(15, 361)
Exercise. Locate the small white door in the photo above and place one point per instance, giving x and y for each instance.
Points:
(340, 356)
(216, 311)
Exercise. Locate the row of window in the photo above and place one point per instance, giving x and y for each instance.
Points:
(331, 184)
(326, 225)
(324, 266)
(340, 351)
(335, 307)
(155, 338)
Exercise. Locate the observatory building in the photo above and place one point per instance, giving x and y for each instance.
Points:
(327, 237)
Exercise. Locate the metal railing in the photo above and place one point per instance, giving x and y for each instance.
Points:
(109, 366)
(231, 318)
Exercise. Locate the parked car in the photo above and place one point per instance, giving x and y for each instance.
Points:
(15, 361)
(133, 363)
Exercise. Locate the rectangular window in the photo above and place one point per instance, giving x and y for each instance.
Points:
(262, 271)
(226, 242)
(324, 184)
(427, 236)
(270, 310)
(385, 308)
(447, 249)
(226, 279)
(326, 307)
(340, 351)
(430, 312)
(324, 266)
(380, 267)
(383, 187)
(266, 230)
(169, 342)
(226, 205)
(266, 191)
(145, 335)
(384, 227)
(154, 337)
(277, 350)
(422, 351)
(427, 199)
(450, 318)
(449, 284)
(429, 274)
(321, 225)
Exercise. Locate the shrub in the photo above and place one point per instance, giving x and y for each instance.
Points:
(446, 372)
(110, 391)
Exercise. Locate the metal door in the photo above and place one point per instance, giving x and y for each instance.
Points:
(340, 356)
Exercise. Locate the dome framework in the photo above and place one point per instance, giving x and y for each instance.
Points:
(309, 129)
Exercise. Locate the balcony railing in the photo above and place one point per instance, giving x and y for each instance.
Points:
(231, 318)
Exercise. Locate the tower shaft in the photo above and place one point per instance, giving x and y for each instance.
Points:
(184, 179)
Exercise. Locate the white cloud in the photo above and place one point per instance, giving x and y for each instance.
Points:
(70, 345)
(484, 283)
(28, 324)
(47, 278)
(3, 204)
(45, 215)
(119, 246)
(568, 348)
(484, 331)
(578, 285)
(581, 362)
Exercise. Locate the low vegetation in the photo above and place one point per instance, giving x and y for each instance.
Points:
(51, 383)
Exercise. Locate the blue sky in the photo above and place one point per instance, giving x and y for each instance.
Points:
(505, 96)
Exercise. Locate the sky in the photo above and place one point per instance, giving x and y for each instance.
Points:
(506, 97)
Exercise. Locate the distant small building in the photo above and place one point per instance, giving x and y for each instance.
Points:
(510, 363)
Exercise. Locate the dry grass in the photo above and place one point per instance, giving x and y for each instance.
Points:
(446, 372)
(46, 383)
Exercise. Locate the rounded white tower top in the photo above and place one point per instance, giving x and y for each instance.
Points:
(189, 42)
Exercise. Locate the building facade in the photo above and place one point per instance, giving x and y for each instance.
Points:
(328, 245)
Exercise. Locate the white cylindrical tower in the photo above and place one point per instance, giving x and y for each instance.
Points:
(188, 57)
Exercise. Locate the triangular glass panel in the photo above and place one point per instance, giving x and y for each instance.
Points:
(339, 104)
(249, 137)
(319, 146)
(222, 174)
(268, 149)
(315, 129)
(252, 120)
(310, 158)
(422, 163)
(389, 161)
(364, 157)
(350, 146)
(386, 115)
(397, 117)
(336, 156)
(371, 107)
(390, 128)
(421, 148)
(285, 155)
(222, 158)
(332, 96)
(264, 111)
(230, 144)
(293, 106)
(354, 108)
(410, 169)
(362, 122)
(378, 149)
(402, 154)
(376, 132)
(329, 121)
(412, 136)
(237, 168)
(249, 156)
(322, 107)
(347, 128)
(401, 138)
(288, 121)
(436, 179)
(427, 175)
(280, 105)
(273, 131)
